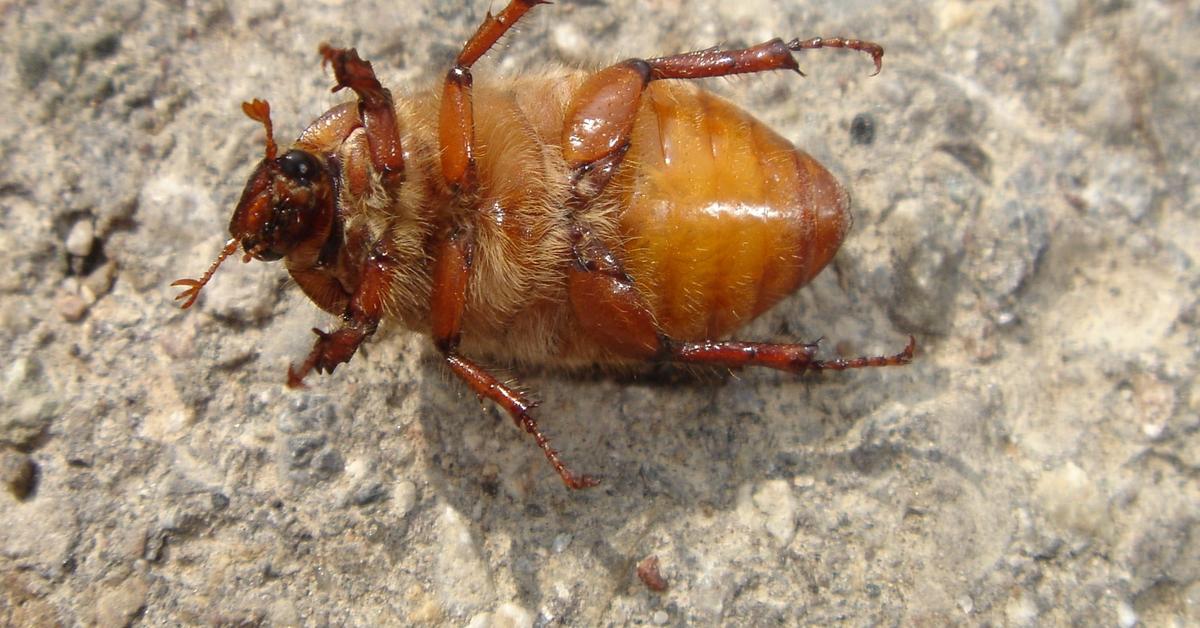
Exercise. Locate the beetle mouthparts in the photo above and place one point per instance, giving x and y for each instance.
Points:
(259, 251)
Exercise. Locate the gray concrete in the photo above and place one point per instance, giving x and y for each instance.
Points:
(1026, 209)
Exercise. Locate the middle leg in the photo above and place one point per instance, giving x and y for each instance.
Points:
(451, 274)
(454, 248)
(456, 120)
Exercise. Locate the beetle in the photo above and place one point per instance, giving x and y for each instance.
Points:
(569, 218)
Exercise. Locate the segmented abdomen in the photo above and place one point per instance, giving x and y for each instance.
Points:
(723, 217)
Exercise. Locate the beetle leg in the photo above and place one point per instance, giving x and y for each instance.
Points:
(769, 55)
(600, 118)
(452, 261)
(606, 303)
(610, 310)
(456, 121)
(375, 108)
(794, 358)
(359, 321)
(451, 274)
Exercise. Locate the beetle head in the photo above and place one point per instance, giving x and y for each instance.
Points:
(288, 203)
(288, 199)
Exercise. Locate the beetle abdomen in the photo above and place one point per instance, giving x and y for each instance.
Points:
(723, 216)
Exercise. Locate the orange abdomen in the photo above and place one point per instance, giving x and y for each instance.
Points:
(723, 217)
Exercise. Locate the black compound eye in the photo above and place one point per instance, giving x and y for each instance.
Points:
(299, 166)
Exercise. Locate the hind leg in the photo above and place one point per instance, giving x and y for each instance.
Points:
(609, 309)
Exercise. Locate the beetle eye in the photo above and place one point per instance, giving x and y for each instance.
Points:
(298, 166)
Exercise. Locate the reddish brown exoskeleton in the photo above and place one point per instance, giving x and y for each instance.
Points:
(570, 218)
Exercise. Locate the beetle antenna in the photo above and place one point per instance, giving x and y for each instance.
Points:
(260, 111)
(194, 285)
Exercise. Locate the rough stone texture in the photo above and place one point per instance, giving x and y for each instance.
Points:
(1025, 204)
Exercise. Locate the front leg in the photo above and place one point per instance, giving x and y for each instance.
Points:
(359, 321)
(451, 275)
(375, 109)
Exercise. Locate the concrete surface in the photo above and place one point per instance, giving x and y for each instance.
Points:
(1027, 207)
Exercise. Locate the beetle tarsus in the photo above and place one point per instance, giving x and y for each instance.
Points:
(793, 358)
(869, 47)
(572, 481)
(841, 364)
